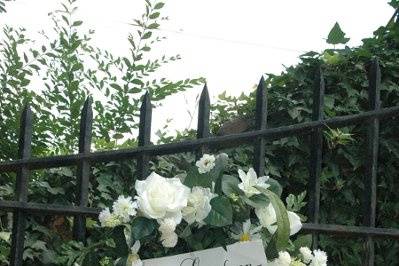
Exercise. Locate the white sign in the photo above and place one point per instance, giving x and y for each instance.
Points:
(239, 254)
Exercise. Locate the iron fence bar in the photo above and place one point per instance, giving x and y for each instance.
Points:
(21, 188)
(203, 131)
(343, 230)
(42, 208)
(143, 161)
(83, 169)
(260, 124)
(316, 148)
(190, 145)
(372, 158)
(352, 231)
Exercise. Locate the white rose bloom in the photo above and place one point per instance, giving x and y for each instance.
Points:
(160, 197)
(319, 259)
(306, 254)
(267, 218)
(198, 205)
(206, 163)
(284, 259)
(108, 219)
(250, 180)
(124, 208)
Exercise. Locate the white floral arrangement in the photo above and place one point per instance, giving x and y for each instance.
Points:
(202, 209)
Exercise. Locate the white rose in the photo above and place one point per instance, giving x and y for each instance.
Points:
(206, 163)
(267, 218)
(124, 208)
(198, 205)
(160, 197)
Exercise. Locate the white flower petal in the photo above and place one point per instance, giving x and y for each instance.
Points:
(159, 197)
(295, 222)
(242, 175)
(262, 179)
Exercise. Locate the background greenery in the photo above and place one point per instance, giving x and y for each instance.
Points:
(53, 78)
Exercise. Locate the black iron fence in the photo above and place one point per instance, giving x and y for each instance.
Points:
(21, 208)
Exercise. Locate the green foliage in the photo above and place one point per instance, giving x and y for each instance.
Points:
(55, 79)
(55, 74)
(287, 160)
(394, 3)
(3, 5)
(281, 237)
(142, 227)
(221, 213)
(67, 68)
(337, 36)
(226, 222)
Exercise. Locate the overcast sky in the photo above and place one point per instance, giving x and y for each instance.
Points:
(229, 42)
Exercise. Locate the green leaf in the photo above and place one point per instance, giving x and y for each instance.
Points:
(283, 225)
(116, 86)
(221, 213)
(77, 23)
(35, 67)
(142, 227)
(154, 15)
(91, 259)
(65, 19)
(137, 82)
(230, 185)
(303, 241)
(337, 36)
(147, 35)
(118, 136)
(275, 186)
(195, 179)
(256, 201)
(159, 5)
(118, 235)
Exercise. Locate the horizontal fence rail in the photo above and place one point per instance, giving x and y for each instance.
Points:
(204, 142)
(190, 145)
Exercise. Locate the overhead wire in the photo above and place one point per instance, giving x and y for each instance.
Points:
(214, 38)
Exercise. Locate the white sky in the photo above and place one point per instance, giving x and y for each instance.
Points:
(229, 42)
